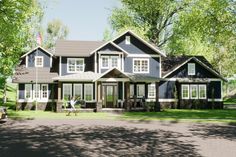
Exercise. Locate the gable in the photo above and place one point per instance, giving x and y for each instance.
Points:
(109, 47)
(201, 70)
(137, 45)
(38, 52)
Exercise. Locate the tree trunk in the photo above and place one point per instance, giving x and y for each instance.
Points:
(5, 94)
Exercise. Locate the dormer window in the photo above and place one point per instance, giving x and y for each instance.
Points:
(38, 61)
(127, 40)
(191, 69)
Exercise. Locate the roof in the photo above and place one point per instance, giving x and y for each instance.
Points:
(38, 47)
(76, 48)
(84, 76)
(28, 75)
(172, 63)
(150, 45)
(141, 78)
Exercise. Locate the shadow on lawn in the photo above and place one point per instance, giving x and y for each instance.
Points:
(70, 140)
(215, 131)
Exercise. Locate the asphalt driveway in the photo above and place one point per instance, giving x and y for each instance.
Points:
(70, 138)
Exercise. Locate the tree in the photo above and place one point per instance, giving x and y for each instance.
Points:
(152, 18)
(55, 30)
(16, 19)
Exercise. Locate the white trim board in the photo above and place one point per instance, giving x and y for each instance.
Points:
(36, 49)
(168, 100)
(143, 55)
(216, 100)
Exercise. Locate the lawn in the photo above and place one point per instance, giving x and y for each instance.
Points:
(229, 101)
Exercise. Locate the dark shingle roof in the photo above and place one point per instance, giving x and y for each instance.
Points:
(76, 48)
(169, 63)
(27, 75)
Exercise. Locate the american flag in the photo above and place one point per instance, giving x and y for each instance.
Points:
(39, 39)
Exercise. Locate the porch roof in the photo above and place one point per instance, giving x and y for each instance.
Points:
(141, 78)
(84, 76)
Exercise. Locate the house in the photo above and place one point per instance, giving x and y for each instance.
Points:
(122, 73)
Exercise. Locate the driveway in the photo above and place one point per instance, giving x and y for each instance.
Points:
(70, 138)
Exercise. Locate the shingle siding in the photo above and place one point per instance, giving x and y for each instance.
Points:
(31, 58)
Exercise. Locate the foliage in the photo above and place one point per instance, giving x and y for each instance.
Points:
(55, 30)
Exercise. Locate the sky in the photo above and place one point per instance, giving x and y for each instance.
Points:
(86, 19)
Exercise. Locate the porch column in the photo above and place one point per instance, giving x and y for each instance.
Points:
(99, 100)
(157, 104)
(59, 98)
(127, 99)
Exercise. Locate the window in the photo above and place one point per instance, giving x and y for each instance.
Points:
(140, 65)
(131, 90)
(105, 61)
(191, 68)
(75, 65)
(67, 91)
(78, 91)
(127, 40)
(36, 91)
(185, 91)
(140, 90)
(88, 92)
(194, 91)
(44, 91)
(114, 61)
(202, 91)
(151, 91)
(28, 91)
(38, 61)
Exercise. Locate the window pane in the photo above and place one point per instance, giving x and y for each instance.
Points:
(140, 65)
(79, 65)
(194, 91)
(28, 89)
(185, 91)
(151, 91)
(140, 90)
(71, 63)
(88, 92)
(131, 90)
(202, 91)
(105, 62)
(44, 91)
(114, 62)
(36, 91)
(191, 68)
(67, 91)
(78, 91)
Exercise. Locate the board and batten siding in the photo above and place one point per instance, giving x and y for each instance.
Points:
(88, 61)
(214, 90)
(45, 55)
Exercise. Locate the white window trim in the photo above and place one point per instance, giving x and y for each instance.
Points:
(68, 71)
(199, 91)
(42, 91)
(152, 85)
(127, 39)
(139, 59)
(137, 86)
(184, 85)
(85, 86)
(190, 65)
(102, 67)
(35, 61)
(79, 85)
(191, 88)
(65, 84)
(31, 96)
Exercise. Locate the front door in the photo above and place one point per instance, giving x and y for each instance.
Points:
(109, 95)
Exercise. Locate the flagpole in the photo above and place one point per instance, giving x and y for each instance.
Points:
(36, 82)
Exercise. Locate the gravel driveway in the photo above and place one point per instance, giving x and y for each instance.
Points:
(70, 138)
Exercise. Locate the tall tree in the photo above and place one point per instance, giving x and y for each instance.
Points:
(55, 30)
(152, 18)
(16, 19)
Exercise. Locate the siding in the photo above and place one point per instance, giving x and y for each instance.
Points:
(154, 66)
(166, 89)
(31, 58)
(201, 72)
(214, 89)
(135, 47)
(88, 61)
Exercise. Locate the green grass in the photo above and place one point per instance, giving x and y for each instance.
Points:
(225, 116)
(228, 101)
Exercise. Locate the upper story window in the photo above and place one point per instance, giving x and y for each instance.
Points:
(110, 62)
(127, 40)
(75, 65)
(105, 62)
(38, 61)
(191, 69)
(140, 65)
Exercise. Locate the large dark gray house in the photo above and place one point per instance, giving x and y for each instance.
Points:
(122, 73)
